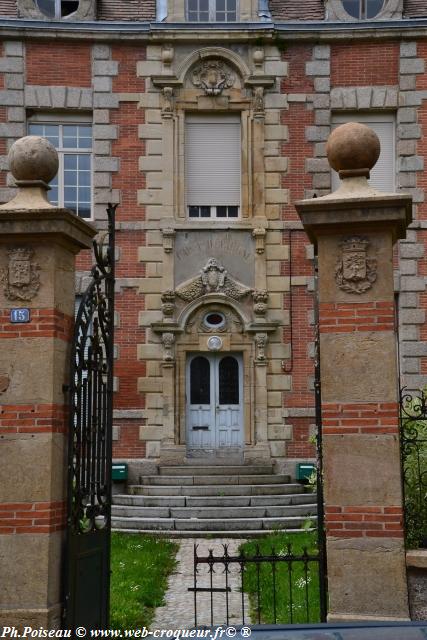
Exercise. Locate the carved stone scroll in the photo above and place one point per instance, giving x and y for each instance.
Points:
(168, 340)
(261, 340)
(168, 239)
(168, 102)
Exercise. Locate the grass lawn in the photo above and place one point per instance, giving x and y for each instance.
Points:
(288, 594)
(140, 566)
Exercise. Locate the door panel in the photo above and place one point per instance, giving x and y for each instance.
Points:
(214, 401)
(200, 413)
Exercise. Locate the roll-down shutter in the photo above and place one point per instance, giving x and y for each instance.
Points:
(213, 160)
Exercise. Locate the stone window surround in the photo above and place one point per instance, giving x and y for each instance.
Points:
(212, 10)
(29, 9)
(247, 10)
(335, 11)
(252, 127)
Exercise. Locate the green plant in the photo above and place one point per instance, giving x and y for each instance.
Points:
(140, 566)
(293, 595)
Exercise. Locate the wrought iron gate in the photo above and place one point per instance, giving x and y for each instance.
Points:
(413, 449)
(87, 561)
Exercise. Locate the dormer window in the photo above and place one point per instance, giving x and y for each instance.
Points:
(57, 8)
(211, 10)
(363, 9)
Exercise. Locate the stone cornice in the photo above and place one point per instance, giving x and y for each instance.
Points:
(243, 32)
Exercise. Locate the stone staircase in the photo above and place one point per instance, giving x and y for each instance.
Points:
(191, 501)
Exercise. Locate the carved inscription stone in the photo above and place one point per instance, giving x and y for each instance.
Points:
(235, 251)
(20, 279)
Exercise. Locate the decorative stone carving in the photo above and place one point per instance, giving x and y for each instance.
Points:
(20, 279)
(168, 303)
(260, 297)
(212, 278)
(168, 239)
(167, 54)
(214, 343)
(213, 77)
(259, 235)
(258, 57)
(261, 340)
(167, 106)
(168, 340)
(354, 271)
(4, 382)
(258, 102)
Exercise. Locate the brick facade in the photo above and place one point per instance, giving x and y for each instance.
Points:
(138, 158)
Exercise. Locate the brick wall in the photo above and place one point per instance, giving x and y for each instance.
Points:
(64, 64)
(128, 147)
(129, 445)
(364, 64)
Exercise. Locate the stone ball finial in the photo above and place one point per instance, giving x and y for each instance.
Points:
(33, 159)
(353, 149)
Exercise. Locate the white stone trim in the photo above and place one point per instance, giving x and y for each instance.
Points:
(29, 9)
(335, 12)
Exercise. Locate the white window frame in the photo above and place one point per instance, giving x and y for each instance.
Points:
(212, 11)
(60, 120)
(366, 118)
(213, 207)
(58, 10)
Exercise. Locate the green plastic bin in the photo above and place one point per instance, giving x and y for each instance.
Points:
(304, 470)
(119, 471)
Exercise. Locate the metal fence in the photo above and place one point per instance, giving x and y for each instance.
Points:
(413, 443)
(258, 587)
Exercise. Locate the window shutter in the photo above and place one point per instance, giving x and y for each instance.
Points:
(212, 160)
(383, 175)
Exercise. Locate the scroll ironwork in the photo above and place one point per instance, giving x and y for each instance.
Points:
(413, 443)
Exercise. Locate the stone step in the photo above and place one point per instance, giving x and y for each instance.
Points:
(213, 501)
(217, 490)
(149, 501)
(202, 513)
(213, 524)
(216, 470)
(213, 479)
(190, 533)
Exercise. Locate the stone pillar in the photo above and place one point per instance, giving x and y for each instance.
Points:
(354, 230)
(38, 243)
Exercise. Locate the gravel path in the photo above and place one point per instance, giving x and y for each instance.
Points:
(178, 612)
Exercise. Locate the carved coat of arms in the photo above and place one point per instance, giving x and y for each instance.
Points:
(213, 77)
(355, 272)
(212, 278)
(20, 278)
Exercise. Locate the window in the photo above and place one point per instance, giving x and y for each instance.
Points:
(211, 10)
(213, 166)
(72, 187)
(57, 8)
(363, 9)
(383, 175)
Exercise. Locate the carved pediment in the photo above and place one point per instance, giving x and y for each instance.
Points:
(213, 278)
